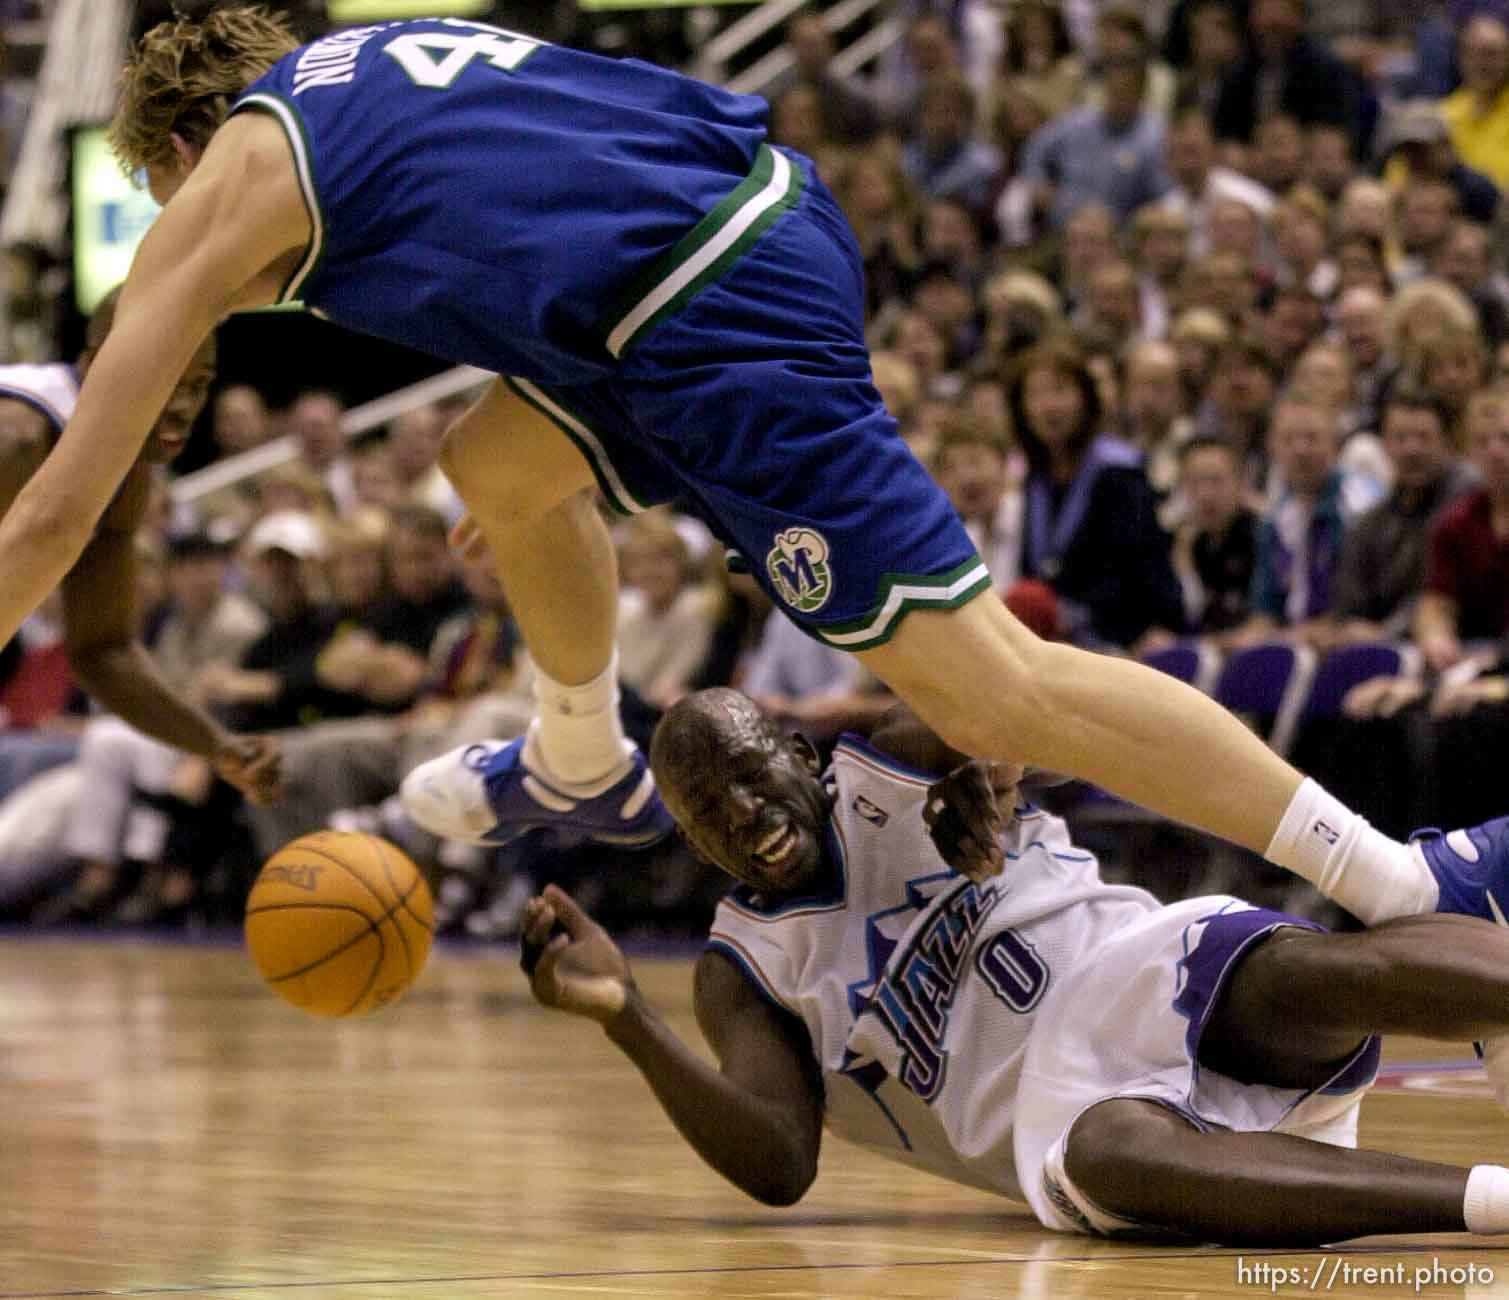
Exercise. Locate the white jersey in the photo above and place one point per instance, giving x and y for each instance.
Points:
(53, 390)
(904, 961)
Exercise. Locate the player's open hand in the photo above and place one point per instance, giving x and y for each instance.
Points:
(963, 815)
(570, 960)
(254, 765)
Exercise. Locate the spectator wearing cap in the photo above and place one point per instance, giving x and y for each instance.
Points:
(1418, 146)
(1199, 181)
(1110, 154)
(945, 156)
(1477, 115)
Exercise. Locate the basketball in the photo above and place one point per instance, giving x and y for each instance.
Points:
(339, 924)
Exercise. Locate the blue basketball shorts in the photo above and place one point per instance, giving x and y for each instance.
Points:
(743, 396)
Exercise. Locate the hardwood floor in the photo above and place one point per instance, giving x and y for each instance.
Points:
(171, 1128)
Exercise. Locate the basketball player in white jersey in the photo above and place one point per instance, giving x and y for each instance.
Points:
(1121, 1066)
(99, 589)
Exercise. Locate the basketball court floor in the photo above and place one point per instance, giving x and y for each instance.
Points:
(169, 1128)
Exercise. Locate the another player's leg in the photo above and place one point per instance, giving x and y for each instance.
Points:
(992, 689)
(1294, 1012)
(531, 493)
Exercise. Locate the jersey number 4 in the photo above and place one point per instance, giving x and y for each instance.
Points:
(436, 59)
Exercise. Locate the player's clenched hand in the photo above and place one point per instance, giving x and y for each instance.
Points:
(963, 815)
(254, 765)
(578, 968)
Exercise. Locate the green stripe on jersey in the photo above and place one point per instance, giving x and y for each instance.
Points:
(714, 244)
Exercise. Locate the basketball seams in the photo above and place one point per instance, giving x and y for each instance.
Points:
(389, 909)
(334, 952)
(382, 956)
(373, 927)
(356, 876)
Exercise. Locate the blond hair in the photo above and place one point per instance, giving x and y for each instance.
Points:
(182, 76)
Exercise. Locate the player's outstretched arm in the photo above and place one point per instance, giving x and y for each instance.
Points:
(759, 1121)
(210, 252)
(99, 618)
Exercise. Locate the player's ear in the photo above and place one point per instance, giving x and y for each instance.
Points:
(806, 753)
(187, 153)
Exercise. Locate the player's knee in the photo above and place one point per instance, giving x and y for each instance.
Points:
(1115, 1152)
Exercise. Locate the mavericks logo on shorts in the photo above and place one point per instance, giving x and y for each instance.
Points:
(798, 568)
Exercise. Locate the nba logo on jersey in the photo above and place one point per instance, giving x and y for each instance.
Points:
(798, 566)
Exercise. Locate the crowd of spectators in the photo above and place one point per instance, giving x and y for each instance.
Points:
(1200, 318)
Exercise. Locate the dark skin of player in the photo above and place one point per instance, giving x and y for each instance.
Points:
(1297, 1007)
(99, 591)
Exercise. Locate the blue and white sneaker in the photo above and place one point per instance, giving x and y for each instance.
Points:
(487, 794)
(1471, 868)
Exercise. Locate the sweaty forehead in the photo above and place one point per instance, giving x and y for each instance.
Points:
(701, 743)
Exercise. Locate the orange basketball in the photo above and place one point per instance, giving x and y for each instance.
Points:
(339, 924)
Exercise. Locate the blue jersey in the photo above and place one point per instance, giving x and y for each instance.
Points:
(486, 197)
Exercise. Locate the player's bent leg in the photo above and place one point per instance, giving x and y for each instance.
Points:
(1142, 1164)
(992, 689)
(1307, 994)
(533, 495)
(531, 492)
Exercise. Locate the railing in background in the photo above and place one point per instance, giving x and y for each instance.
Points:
(720, 59)
(80, 68)
(358, 420)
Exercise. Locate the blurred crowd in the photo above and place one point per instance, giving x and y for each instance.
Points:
(1199, 313)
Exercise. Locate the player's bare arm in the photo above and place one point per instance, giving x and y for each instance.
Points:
(218, 246)
(100, 623)
(758, 1122)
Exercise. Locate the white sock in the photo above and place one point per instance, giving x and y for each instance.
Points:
(1374, 877)
(1485, 1208)
(577, 739)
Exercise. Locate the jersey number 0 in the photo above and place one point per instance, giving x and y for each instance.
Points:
(436, 59)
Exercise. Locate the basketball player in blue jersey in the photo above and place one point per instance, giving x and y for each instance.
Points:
(674, 310)
(1123, 1067)
(100, 619)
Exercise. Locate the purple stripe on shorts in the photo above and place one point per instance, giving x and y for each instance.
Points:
(1225, 940)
